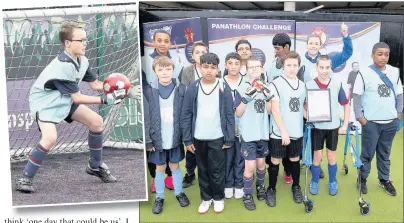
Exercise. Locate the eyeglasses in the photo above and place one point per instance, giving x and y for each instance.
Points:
(83, 41)
(254, 68)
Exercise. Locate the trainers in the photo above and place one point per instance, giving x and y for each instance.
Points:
(218, 206)
(333, 188)
(287, 179)
(238, 193)
(228, 193)
(187, 181)
(204, 206)
(364, 187)
(322, 175)
(158, 206)
(297, 194)
(388, 186)
(313, 188)
(249, 202)
(102, 172)
(271, 197)
(25, 184)
(169, 182)
(153, 187)
(182, 199)
(261, 195)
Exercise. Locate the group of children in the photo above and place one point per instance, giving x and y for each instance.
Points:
(236, 124)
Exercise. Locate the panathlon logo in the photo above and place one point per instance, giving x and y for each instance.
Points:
(165, 28)
(189, 35)
(383, 91)
(320, 32)
(294, 104)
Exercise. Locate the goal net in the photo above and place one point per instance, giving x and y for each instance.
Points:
(32, 41)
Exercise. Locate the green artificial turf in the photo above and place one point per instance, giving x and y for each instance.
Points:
(340, 208)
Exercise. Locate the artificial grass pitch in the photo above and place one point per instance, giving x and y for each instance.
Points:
(343, 207)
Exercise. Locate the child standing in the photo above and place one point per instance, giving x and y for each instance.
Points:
(208, 127)
(234, 160)
(165, 103)
(327, 131)
(378, 106)
(286, 126)
(252, 109)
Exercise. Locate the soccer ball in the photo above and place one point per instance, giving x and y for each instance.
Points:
(116, 81)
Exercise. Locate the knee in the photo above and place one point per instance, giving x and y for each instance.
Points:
(96, 124)
(317, 157)
(173, 166)
(275, 161)
(161, 168)
(49, 141)
(294, 159)
(331, 157)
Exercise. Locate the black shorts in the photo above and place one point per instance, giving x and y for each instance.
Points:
(174, 155)
(292, 150)
(330, 136)
(68, 119)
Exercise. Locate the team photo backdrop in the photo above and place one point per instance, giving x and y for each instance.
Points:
(223, 35)
(363, 34)
(184, 33)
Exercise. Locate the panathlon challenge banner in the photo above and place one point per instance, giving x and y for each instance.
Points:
(363, 34)
(223, 35)
(183, 34)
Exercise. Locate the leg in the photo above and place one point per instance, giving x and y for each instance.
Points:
(248, 152)
(383, 152)
(190, 163)
(318, 137)
(94, 122)
(159, 202)
(229, 172)
(216, 165)
(293, 150)
(238, 171)
(201, 154)
(152, 172)
(262, 152)
(168, 181)
(332, 142)
(287, 178)
(48, 141)
(277, 153)
(370, 137)
(177, 178)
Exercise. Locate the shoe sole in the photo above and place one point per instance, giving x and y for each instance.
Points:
(270, 205)
(218, 212)
(387, 191)
(312, 193)
(93, 174)
(24, 191)
(203, 212)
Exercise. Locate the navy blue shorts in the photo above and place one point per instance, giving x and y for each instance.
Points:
(254, 150)
(68, 119)
(174, 155)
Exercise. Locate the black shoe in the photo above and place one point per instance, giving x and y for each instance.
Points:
(297, 194)
(249, 202)
(182, 199)
(24, 184)
(364, 187)
(158, 206)
(102, 172)
(187, 181)
(388, 186)
(271, 197)
(261, 195)
(322, 175)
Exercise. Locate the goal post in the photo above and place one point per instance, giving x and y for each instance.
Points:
(31, 41)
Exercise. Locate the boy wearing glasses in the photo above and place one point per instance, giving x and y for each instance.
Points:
(55, 97)
(252, 110)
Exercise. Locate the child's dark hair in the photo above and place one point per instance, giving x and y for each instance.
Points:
(199, 44)
(161, 31)
(67, 29)
(291, 55)
(232, 55)
(209, 58)
(242, 41)
(323, 57)
(253, 58)
(282, 39)
(380, 45)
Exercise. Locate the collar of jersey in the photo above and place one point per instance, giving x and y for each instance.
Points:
(313, 60)
(65, 57)
(155, 54)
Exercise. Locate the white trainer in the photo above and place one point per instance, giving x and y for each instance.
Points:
(218, 206)
(238, 193)
(228, 193)
(204, 207)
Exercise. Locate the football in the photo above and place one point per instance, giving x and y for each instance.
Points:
(116, 81)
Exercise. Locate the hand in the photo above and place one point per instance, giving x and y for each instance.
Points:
(249, 95)
(114, 97)
(151, 150)
(342, 130)
(191, 148)
(363, 121)
(285, 139)
(399, 116)
(344, 29)
(226, 147)
(236, 130)
(135, 91)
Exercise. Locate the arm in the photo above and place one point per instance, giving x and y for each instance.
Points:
(358, 90)
(342, 57)
(79, 98)
(276, 113)
(230, 122)
(146, 122)
(92, 80)
(399, 106)
(269, 107)
(186, 117)
(96, 85)
(238, 104)
(344, 101)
